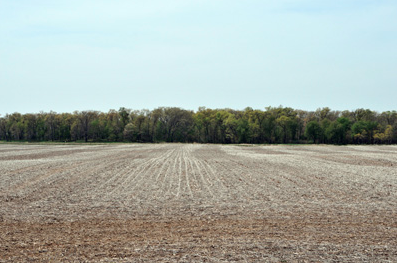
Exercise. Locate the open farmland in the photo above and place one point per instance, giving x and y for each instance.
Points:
(195, 203)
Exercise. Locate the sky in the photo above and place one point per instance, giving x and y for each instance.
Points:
(99, 55)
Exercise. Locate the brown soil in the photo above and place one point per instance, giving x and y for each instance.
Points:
(198, 203)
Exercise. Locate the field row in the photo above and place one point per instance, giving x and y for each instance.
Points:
(199, 200)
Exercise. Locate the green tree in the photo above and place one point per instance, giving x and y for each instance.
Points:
(269, 127)
(114, 126)
(51, 122)
(129, 132)
(230, 123)
(385, 136)
(243, 131)
(325, 123)
(363, 131)
(3, 131)
(15, 126)
(66, 126)
(174, 124)
(203, 123)
(124, 116)
(30, 121)
(336, 132)
(85, 119)
(313, 130)
(285, 123)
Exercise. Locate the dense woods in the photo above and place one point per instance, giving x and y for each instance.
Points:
(166, 124)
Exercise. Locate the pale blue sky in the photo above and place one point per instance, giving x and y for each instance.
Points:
(100, 55)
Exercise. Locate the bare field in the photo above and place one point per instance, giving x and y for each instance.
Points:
(197, 203)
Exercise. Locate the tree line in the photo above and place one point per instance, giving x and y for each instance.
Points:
(173, 124)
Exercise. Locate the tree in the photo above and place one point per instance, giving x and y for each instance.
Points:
(363, 115)
(273, 125)
(243, 131)
(3, 132)
(230, 123)
(388, 117)
(284, 122)
(85, 118)
(202, 120)
(313, 130)
(394, 132)
(269, 127)
(336, 131)
(363, 131)
(15, 126)
(322, 113)
(384, 137)
(124, 116)
(114, 126)
(174, 124)
(129, 132)
(389, 134)
(66, 126)
(325, 123)
(30, 121)
(142, 123)
(257, 119)
(52, 124)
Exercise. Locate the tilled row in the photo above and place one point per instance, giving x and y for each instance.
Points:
(295, 199)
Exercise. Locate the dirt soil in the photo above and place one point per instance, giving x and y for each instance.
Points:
(197, 203)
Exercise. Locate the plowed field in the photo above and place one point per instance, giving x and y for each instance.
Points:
(197, 203)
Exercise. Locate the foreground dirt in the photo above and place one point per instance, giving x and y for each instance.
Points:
(198, 203)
